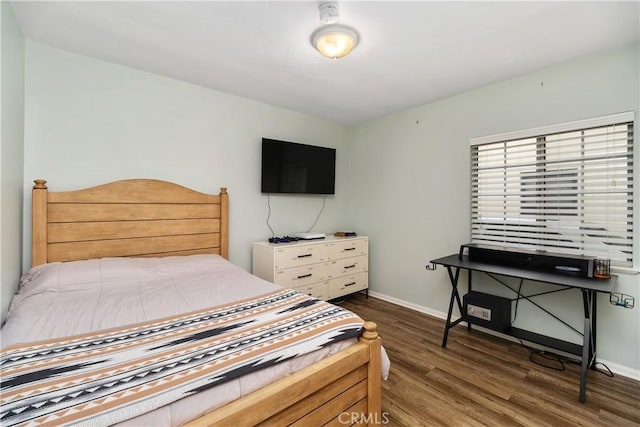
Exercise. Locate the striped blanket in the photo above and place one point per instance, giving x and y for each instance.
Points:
(109, 376)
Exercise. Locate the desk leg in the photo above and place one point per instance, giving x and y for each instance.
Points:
(586, 344)
(454, 296)
(469, 287)
(594, 326)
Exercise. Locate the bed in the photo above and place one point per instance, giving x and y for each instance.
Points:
(164, 226)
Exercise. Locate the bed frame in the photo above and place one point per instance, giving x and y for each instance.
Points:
(144, 217)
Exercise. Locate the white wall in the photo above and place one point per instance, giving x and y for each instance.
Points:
(410, 178)
(11, 154)
(89, 122)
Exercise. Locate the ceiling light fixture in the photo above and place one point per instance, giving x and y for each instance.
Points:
(332, 39)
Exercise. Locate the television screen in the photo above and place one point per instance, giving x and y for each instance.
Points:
(289, 167)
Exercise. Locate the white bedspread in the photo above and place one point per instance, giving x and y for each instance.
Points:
(61, 299)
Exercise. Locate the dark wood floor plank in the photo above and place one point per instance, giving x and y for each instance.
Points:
(483, 380)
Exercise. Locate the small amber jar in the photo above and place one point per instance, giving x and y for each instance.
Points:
(602, 268)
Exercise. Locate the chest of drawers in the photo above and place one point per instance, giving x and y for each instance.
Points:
(326, 269)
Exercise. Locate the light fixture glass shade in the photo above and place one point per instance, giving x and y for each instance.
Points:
(334, 41)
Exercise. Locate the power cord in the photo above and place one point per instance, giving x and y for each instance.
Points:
(273, 234)
(546, 356)
(324, 199)
(560, 360)
(605, 371)
(515, 314)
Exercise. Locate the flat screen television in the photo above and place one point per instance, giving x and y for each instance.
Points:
(289, 167)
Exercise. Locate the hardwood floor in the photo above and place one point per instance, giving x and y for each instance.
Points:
(483, 380)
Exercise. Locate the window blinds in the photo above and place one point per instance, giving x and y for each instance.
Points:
(566, 188)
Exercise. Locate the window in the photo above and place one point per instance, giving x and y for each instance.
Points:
(566, 188)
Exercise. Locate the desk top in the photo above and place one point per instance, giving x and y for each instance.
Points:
(565, 279)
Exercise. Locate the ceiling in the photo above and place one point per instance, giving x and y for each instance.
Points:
(410, 54)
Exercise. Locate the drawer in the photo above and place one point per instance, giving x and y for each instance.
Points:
(316, 290)
(295, 256)
(347, 284)
(353, 265)
(348, 248)
(297, 276)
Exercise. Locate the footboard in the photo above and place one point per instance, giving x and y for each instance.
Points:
(343, 389)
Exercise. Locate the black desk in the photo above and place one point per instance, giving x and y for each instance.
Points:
(588, 287)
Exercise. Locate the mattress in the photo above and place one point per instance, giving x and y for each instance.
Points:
(60, 299)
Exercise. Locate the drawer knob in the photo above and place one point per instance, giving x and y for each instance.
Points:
(349, 266)
(350, 284)
(304, 256)
(350, 249)
(305, 275)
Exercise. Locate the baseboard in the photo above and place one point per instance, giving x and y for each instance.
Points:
(410, 305)
(621, 370)
(617, 369)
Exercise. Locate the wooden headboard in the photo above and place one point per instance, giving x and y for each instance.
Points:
(136, 217)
